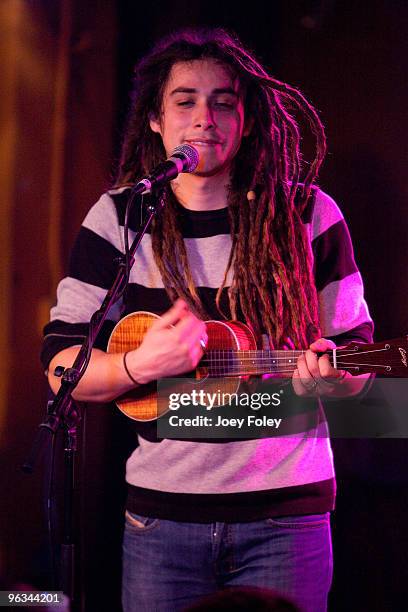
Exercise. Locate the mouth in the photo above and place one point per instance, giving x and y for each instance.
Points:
(203, 143)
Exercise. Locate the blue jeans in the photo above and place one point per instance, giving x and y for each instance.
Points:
(169, 565)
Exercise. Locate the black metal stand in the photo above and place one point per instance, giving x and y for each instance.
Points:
(62, 411)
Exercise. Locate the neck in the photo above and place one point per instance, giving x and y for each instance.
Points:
(201, 192)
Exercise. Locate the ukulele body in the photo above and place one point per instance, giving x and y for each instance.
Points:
(142, 403)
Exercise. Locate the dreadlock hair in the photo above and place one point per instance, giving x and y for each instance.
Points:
(276, 292)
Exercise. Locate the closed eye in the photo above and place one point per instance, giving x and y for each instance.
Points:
(215, 104)
(227, 105)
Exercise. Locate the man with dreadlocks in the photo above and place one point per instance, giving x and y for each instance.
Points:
(246, 236)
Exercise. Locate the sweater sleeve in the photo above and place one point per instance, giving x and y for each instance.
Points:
(91, 272)
(343, 311)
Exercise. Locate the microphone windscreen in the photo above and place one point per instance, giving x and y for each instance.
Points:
(189, 155)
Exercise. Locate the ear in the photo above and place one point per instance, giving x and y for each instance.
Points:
(249, 124)
(154, 124)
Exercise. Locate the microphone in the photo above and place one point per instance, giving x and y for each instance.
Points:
(184, 158)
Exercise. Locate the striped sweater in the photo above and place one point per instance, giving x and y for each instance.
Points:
(205, 481)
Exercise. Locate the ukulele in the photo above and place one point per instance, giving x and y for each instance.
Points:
(232, 356)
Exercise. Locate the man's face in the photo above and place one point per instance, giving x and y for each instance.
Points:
(202, 106)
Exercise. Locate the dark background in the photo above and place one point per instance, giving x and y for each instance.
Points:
(67, 67)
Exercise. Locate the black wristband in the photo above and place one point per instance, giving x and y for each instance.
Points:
(127, 369)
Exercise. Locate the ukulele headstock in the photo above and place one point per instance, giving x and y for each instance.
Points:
(387, 358)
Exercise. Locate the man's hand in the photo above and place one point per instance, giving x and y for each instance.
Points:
(173, 345)
(315, 375)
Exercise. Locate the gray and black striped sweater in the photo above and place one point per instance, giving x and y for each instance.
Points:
(204, 481)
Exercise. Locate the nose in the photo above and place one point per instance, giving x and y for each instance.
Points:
(203, 116)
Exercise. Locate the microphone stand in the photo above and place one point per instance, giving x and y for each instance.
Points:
(62, 412)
